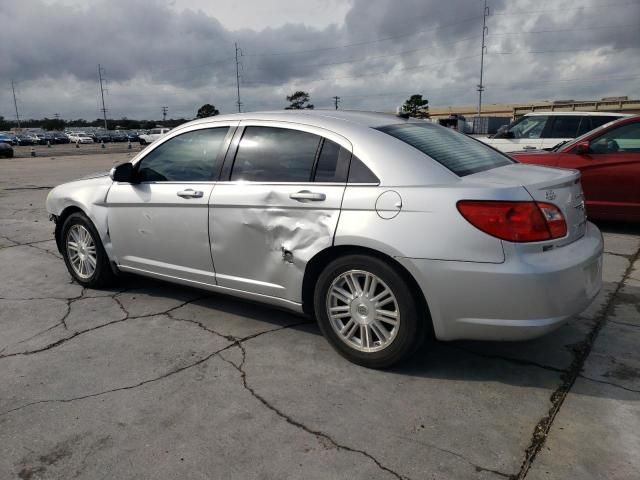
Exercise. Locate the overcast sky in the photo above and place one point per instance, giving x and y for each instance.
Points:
(372, 53)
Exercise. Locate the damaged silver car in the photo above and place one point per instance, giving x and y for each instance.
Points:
(386, 229)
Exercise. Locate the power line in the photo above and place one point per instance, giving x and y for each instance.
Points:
(368, 42)
(608, 49)
(104, 109)
(585, 7)
(15, 102)
(604, 27)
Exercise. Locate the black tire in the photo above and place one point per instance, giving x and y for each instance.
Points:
(413, 322)
(103, 274)
(143, 142)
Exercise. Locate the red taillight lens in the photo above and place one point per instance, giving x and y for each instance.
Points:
(515, 221)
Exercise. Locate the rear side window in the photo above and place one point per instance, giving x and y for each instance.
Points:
(332, 164)
(455, 151)
(598, 121)
(269, 154)
(565, 126)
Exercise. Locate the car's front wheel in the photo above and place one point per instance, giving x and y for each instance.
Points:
(83, 252)
(367, 311)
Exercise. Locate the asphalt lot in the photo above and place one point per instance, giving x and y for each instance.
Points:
(151, 380)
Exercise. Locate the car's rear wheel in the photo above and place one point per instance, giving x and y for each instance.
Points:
(367, 311)
(83, 252)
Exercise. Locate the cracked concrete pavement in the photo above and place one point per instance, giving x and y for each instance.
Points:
(150, 380)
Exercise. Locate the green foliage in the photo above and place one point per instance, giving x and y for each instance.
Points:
(207, 110)
(416, 106)
(298, 101)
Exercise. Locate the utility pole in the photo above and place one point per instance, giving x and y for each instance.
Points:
(15, 103)
(56, 116)
(104, 109)
(164, 114)
(336, 100)
(485, 14)
(238, 50)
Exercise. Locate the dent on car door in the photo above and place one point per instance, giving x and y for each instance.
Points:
(159, 224)
(276, 206)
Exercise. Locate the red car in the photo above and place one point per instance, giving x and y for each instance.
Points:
(609, 160)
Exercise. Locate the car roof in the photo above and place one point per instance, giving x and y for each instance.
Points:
(585, 114)
(317, 117)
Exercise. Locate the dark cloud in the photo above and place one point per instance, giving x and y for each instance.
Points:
(384, 50)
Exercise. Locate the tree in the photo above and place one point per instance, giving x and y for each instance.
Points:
(416, 106)
(207, 110)
(298, 101)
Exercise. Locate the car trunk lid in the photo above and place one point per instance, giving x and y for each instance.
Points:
(558, 186)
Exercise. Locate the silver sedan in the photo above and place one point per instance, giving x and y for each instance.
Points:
(386, 229)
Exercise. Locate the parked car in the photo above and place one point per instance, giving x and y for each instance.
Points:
(132, 136)
(6, 150)
(24, 139)
(309, 214)
(153, 135)
(80, 137)
(102, 136)
(60, 138)
(7, 139)
(609, 161)
(545, 130)
(118, 136)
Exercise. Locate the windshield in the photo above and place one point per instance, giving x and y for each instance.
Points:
(459, 153)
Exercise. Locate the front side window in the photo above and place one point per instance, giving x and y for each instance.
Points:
(457, 152)
(529, 127)
(189, 157)
(270, 154)
(622, 139)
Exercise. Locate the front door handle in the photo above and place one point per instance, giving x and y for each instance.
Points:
(306, 195)
(190, 193)
(529, 147)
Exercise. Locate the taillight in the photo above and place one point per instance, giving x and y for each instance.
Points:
(515, 221)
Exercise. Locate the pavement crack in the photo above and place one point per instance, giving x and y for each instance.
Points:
(29, 187)
(209, 356)
(518, 361)
(580, 354)
(609, 383)
(477, 468)
(626, 324)
(318, 434)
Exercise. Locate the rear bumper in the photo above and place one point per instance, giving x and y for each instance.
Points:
(526, 296)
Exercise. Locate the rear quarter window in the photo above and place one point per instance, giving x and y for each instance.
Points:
(457, 152)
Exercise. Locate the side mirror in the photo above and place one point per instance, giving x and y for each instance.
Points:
(582, 148)
(123, 173)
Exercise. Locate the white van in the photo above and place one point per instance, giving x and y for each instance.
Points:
(544, 130)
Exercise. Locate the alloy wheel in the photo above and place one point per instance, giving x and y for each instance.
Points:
(363, 310)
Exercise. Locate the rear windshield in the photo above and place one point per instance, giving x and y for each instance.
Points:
(457, 152)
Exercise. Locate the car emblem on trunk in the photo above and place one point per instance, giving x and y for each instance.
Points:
(550, 195)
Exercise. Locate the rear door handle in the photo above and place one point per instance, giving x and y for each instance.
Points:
(306, 195)
(190, 193)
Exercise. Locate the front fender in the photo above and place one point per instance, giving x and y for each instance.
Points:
(88, 195)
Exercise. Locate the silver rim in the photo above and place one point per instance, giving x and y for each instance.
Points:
(81, 250)
(363, 311)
